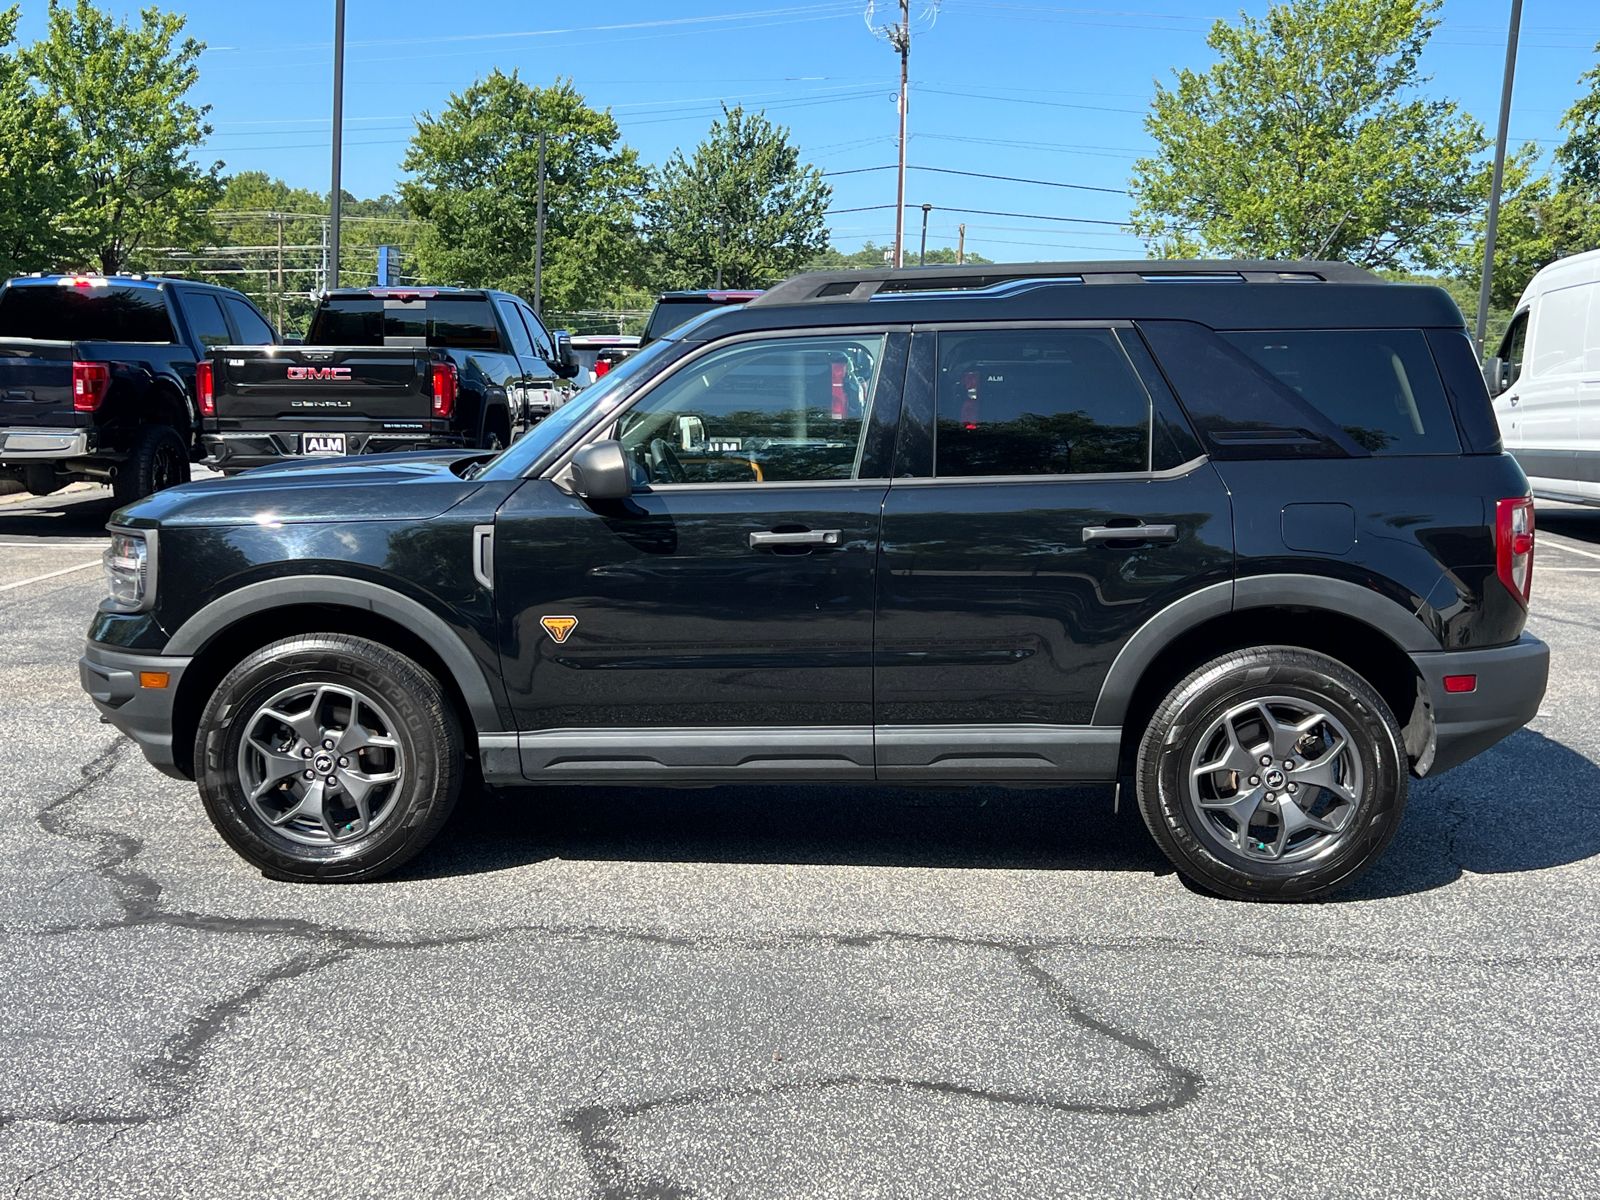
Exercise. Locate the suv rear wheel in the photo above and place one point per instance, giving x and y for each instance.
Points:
(327, 758)
(1272, 774)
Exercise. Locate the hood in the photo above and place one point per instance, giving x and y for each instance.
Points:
(379, 487)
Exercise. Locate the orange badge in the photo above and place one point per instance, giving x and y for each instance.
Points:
(559, 628)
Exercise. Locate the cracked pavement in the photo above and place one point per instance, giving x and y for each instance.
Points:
(784, 991)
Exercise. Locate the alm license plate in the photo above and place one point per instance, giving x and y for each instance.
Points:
(322, 443)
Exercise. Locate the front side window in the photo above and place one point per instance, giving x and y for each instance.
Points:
(1380, 386)
(542, 343)
(521, 343)
(771, 411)
(1039, 402)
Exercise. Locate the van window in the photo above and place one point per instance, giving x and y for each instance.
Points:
(1563, 323)
(1039, 402)
(1379, 385)
(1515, 344)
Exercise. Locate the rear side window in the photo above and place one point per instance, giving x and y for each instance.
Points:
(1379, 386)
(206, 321)
(50, 312)
(253, 331)
(440, 322)
(1038, 402)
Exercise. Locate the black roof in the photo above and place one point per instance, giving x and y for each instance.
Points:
(1221, 293)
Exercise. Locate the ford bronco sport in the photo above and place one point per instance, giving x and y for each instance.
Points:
(1238, 537)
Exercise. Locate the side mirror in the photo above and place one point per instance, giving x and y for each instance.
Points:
(1494, 375)
(600, 472)
(566, 363)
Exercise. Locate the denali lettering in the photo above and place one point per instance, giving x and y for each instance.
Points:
(319, 373)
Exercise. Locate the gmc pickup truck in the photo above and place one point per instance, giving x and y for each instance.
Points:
(98, 377)
(383, 370)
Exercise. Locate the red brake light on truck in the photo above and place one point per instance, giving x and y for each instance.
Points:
(444, 389)
(1513, 545)
(90, 382)
(205, 391)
(601, 366)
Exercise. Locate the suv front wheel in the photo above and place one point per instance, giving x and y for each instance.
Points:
(1272, 774)
(326, 758)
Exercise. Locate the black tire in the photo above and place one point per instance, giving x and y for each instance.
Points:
(158, 459)
(417, 715)
(496, 432)
(1197, 840)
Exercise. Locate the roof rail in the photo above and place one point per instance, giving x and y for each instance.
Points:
(919, 281)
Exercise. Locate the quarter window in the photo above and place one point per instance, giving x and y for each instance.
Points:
(771, 411)
(1039, 402)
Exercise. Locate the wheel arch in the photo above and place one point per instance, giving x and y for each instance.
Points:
(220, 635)
(1366, 632)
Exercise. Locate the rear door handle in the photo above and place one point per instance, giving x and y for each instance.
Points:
(804, 537)
(1130, 533)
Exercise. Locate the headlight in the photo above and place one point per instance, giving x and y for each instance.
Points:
(128, 572)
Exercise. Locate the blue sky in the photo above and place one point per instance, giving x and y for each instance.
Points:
(1039, 89)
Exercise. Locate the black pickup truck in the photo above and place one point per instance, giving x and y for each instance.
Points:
(388, 369)
(98, 377)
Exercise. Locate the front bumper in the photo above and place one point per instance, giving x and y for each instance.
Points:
(1510, 684)
(43, 445)
(238, 451)
(112, 679)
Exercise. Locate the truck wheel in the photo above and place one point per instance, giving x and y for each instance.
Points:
(326, 758)
(496, 433)
(157, 459)
(1272, 774)
(41, 479)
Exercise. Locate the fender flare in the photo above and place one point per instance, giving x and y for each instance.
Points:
(1256, 591)
(254, 599)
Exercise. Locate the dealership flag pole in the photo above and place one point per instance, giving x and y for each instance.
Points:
(1499, 172)
(338, 139)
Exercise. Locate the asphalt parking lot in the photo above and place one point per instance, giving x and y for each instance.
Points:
(783, 991)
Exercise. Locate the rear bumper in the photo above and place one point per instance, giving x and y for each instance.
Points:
(238, 450)
(1510, 684)
(42, 445)
(112, 680)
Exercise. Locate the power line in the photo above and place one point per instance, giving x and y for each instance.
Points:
(1079, 187)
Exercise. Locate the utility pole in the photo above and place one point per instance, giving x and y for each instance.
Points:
(338, 133)
(900, 39)
(961, 244)
(1490, 226)
(922, 255)
(538, 238)
(280, 273)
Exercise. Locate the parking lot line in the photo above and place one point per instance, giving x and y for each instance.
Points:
(48, 575)
(1548, 540)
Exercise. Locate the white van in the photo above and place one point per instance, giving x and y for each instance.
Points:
(1545, 380)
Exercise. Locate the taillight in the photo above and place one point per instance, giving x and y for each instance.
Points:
(90, 382)
(444, 389)
(205, 392)
(1513, 545)
(601, 366)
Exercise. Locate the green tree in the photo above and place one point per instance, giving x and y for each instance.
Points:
(1309, 138)
(130, 132)
(871, 257)
(36, 186)
(744, 211)
(474, 179)
(1578, 157)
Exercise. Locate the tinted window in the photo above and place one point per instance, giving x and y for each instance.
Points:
(542, 342)
(520, 341)
(442, 322)
(668, 315)
(206, 321)
(253, 331)
(1514, 345)
(1379, 386)
(51, 312)
(1039, 402)
(758, 412)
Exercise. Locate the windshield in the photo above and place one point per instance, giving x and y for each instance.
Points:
(515, 460)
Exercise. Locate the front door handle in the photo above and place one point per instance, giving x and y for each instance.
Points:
(1130, 533)
(803, 537)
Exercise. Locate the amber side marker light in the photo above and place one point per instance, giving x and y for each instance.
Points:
(1460, 683)
(153, 679)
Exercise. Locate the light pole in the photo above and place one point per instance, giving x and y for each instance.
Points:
(1493, 221)
(338, 139)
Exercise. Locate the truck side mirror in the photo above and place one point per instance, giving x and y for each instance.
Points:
(600, 472)
(566, 363)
